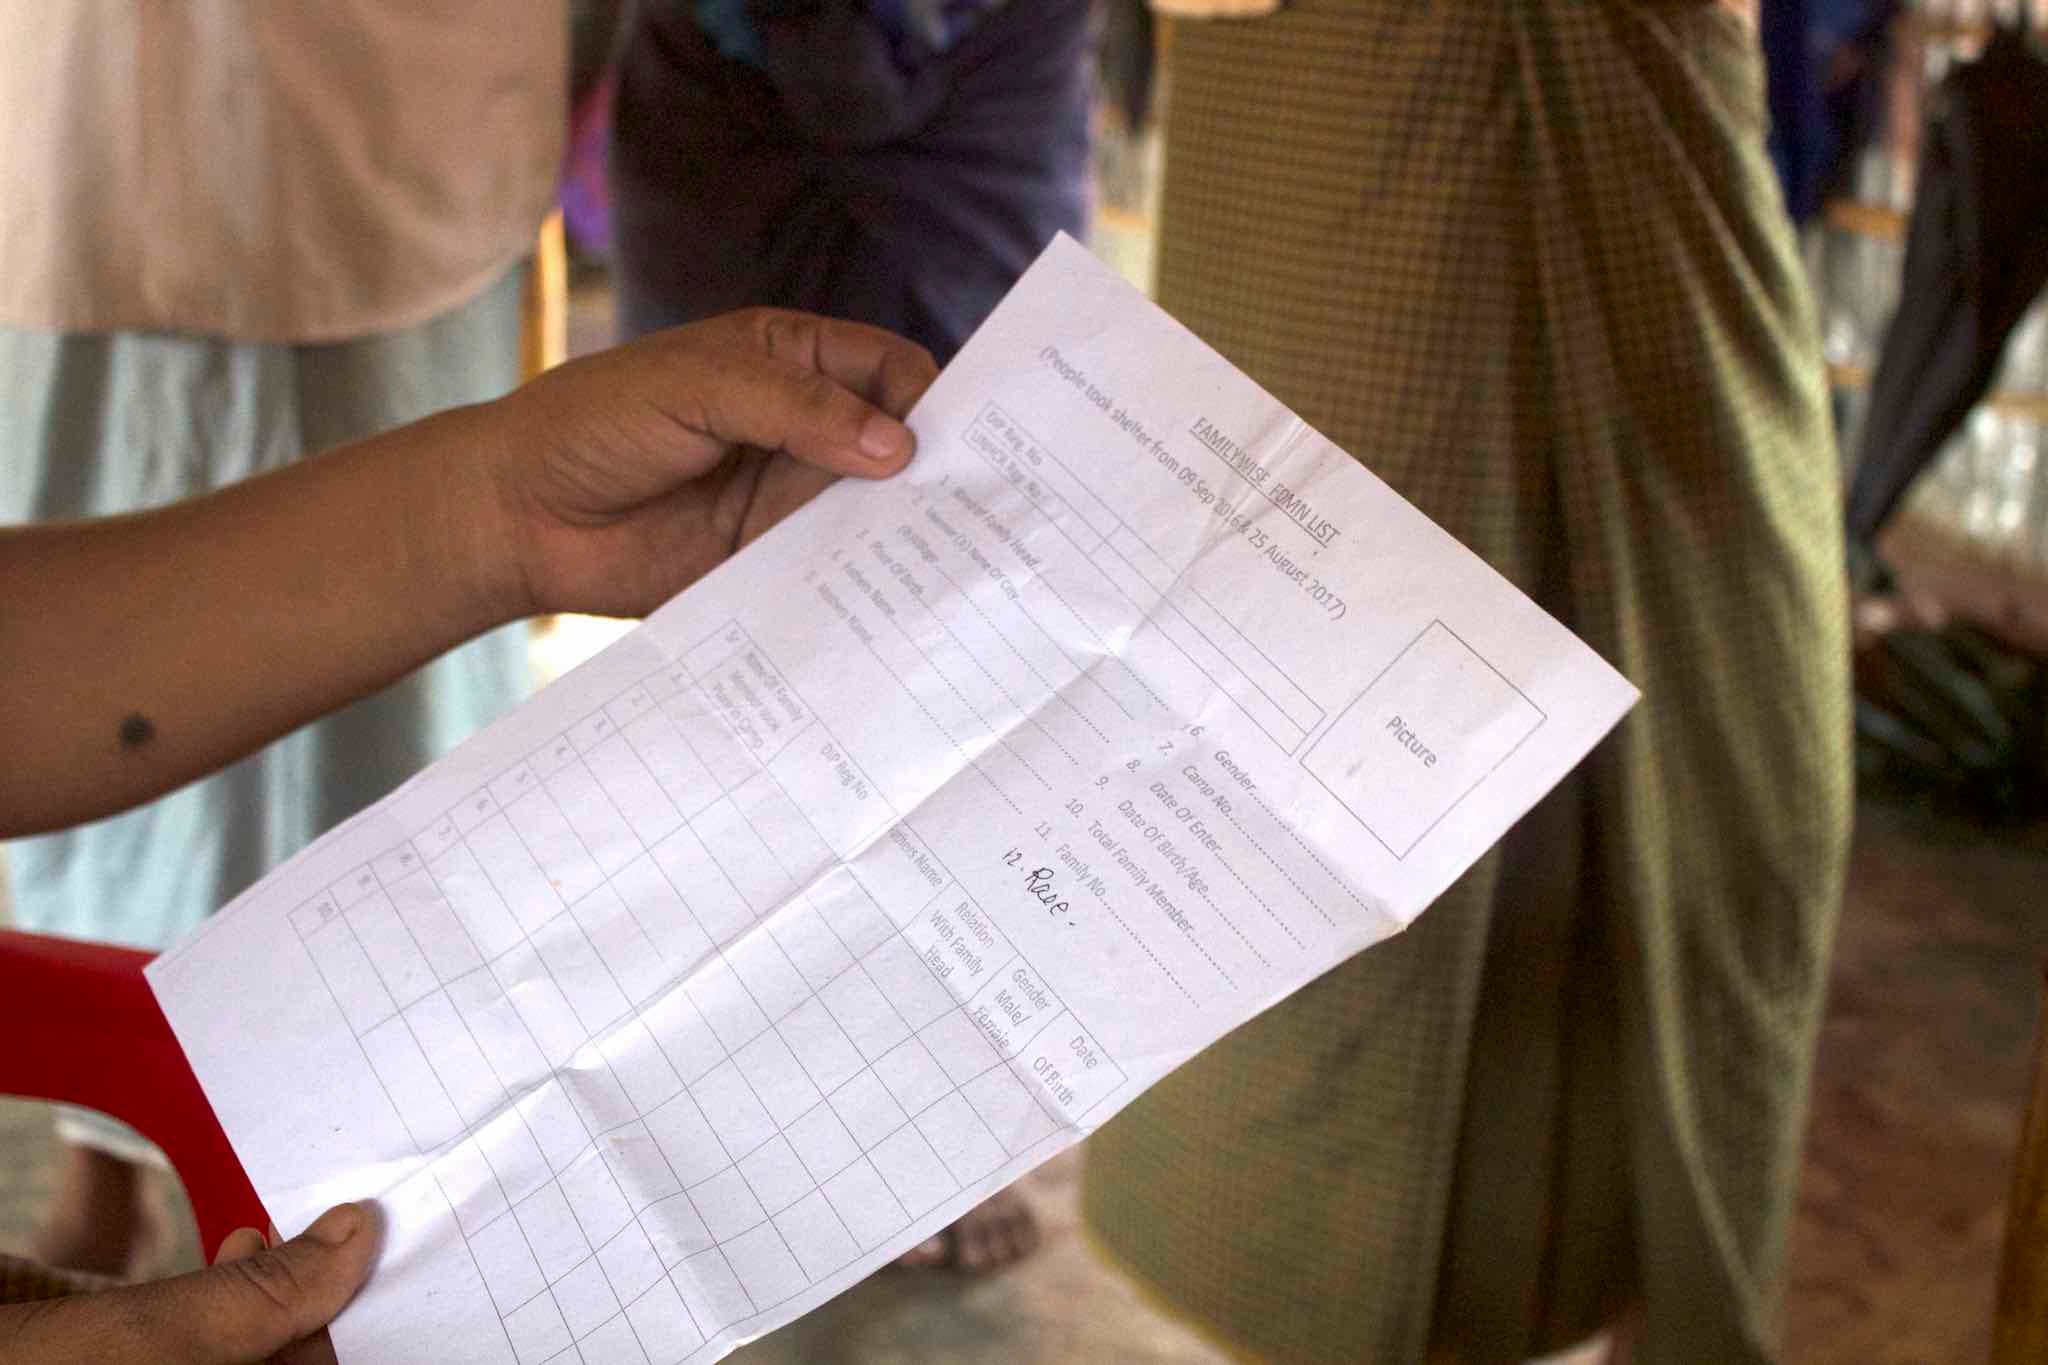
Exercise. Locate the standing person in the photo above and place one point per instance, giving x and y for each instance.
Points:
(893, 162)
(896, 162)
(1528, 262)
(232, 234)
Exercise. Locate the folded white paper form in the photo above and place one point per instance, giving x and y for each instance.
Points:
(884, 863)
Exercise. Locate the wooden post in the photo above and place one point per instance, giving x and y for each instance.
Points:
(2019, 1330)
(544, 324)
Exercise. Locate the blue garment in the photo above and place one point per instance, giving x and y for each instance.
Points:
(915, 28)
(94, 425)
(1824, 60)
(731, 30)
(829, 173)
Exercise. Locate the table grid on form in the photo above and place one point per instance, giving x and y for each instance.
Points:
(637, 1161)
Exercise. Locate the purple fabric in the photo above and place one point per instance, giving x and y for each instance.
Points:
(586, 189)
(833, 179)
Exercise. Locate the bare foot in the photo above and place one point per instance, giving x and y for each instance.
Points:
(98, 1219)
(1000, 1231)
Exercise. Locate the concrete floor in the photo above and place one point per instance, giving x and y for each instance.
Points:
(1919, 1089)
(1920, 1082)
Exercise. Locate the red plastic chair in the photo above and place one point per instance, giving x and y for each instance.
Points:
(82, 1028)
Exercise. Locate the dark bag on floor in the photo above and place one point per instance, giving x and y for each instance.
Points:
(1958, 710)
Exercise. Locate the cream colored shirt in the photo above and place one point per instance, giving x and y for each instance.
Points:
(279, 170)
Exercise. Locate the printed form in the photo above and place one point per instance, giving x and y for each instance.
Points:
(886, 862)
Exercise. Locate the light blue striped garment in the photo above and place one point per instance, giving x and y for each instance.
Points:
(92, 425)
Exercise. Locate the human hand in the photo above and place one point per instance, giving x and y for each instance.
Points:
(621, 478)
(257, 1302)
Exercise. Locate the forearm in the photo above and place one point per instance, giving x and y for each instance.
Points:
(145, 651)
(139, 653)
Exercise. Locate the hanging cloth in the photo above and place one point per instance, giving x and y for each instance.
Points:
(1976, 256)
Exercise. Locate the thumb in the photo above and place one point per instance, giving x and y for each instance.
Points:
(821, 390)
(254, 1306)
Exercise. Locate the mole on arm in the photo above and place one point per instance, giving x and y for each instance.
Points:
(136, 731)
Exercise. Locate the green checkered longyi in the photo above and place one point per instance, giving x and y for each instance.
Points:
(1526, 260)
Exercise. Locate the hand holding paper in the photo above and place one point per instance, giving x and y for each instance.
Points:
(158, 647)
(616, 473)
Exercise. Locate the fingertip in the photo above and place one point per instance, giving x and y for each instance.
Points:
(343, 1242)
(885, 441)
(348, 1236)
(337, 1226)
